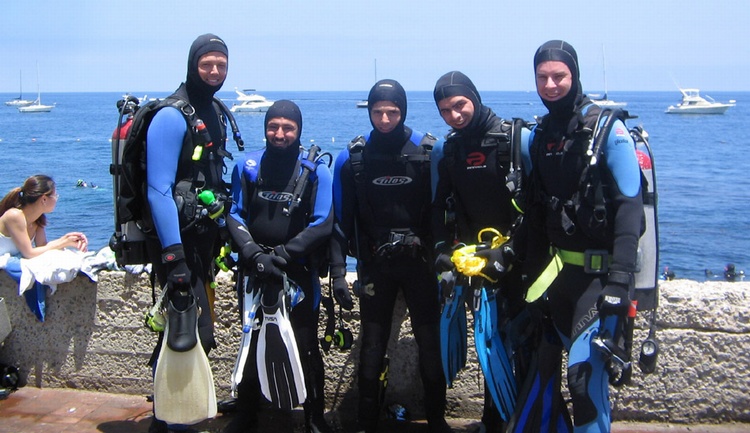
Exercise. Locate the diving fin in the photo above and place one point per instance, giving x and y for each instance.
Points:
(280, 372)
(492, 354)
(184, 390)
(453, 344)
(250, 303)
(541, 405)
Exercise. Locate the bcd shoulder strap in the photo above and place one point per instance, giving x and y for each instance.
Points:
(591, 185)
(506, 138)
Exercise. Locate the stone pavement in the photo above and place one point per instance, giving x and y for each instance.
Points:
(53, 410)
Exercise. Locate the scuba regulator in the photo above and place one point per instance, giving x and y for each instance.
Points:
(213, 205)
(341, 337)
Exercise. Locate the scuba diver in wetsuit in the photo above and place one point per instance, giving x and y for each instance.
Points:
(590, 296)
(381, 202)
(273, 237)
(182, 256)
(470, 173)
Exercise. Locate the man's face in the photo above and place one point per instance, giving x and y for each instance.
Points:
(457, 111)
(212, 68)
(385, 115)
(281, 132)
(553, 80)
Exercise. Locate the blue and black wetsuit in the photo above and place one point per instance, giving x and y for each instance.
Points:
(382, 206)
(174, 179)
(555, 159)
(171, 172)
(262, 183)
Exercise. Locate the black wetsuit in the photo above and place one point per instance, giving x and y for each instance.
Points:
(471, 168)
(390, 206)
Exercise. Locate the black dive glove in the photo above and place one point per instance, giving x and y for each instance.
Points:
(614, 300)
(443, 262)
(499, 260)
(264, 265)
(269, 266)
(178, 273)
(280, 250)
(340, 287)
(248, 252)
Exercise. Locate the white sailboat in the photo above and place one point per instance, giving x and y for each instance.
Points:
(37, 106)
(19, 102)
(604, 101)
(363, 103)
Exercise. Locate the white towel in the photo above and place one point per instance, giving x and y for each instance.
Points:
(51, 268)
(4, 260)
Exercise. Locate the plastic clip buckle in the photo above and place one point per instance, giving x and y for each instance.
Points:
(396, 238)
(596, 261)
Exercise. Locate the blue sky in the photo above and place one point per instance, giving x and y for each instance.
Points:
(142, 45)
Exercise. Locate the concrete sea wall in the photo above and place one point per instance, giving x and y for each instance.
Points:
(94, 338)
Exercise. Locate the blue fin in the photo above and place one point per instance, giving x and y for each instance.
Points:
(493, 356)
(453, 344)
(541, 406)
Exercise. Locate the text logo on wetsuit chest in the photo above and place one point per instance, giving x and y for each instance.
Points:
(391, 180)
(281, 197)
(555, 147)
(475, 160)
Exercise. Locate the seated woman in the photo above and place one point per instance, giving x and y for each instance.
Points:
(23, 220)
(23, 234)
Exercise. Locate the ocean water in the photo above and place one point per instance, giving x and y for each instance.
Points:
(703, 179)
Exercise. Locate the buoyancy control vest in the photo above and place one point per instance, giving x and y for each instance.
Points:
(264, 200)
(393, 195)
(497, 203)
(583, 201)
(200, 167)
(571, 206)
(587, 206)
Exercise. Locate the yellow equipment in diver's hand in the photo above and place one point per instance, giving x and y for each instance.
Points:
(470, 265)
(222, 259)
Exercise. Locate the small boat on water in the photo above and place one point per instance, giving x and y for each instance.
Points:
(37, 106)
(362, 103)
(250, 102)
(605, 102)
(19, 102)
(694, 103)
(608, 103)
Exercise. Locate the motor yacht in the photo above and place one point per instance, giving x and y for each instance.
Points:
(694, 103)
(250, 103)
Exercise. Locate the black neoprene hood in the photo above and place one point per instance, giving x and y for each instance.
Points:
(288, 110)
(456, 83)
(202, 45)
(561, 51)
(388, 90)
